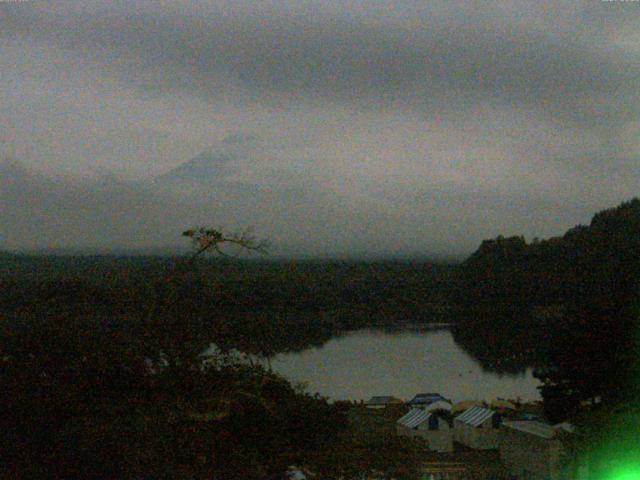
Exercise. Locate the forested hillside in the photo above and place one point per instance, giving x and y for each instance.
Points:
(567, 305)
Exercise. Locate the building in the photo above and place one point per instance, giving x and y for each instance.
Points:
(428, 426)
(424, 399)
(478, 428)
(382, 402)
(531, 450)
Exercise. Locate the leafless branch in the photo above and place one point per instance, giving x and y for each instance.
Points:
(210, 240)
(205, 239)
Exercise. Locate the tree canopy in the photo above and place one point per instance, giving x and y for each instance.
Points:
(90, 389)
(570, 307)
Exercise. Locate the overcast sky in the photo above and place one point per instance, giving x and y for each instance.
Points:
(382, 127)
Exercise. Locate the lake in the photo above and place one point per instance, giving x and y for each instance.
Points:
(364, 363)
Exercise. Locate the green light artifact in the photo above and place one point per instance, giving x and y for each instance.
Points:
(628, 472)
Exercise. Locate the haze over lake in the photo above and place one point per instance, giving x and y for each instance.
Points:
(364, 363)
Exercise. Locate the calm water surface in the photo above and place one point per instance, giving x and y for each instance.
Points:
(366, 363)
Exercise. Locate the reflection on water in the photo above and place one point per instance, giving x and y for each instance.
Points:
(366, 363)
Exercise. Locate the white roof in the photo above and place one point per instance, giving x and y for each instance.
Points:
(414, 418)
(439, 405)
(532, 427)
(539, 429)
(475, 416)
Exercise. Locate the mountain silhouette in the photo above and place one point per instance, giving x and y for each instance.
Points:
(212, 165)
(208, 166)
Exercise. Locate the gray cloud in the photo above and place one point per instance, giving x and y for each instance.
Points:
(562, 66)
(466, 118)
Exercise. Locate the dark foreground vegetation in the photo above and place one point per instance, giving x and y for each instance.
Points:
(102, 373)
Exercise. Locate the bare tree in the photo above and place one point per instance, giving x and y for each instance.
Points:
(207, 240)
(171, 289)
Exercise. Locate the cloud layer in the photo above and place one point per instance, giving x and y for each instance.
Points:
(411, 126)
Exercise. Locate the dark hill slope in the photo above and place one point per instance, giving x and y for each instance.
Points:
(510, 274)
(568, 306)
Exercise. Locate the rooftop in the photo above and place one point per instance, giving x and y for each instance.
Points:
(426, 398)
(414, 418)
(438, 405)
(538, 429)
(475, 416)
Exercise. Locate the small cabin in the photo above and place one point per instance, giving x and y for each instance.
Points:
(435, 430)
(376, 403)
(478, 428)
(531, 449)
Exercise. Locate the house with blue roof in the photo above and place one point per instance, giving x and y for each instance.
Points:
(425, 399)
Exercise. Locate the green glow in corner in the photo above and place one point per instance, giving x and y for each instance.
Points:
(614, 453)
(631, 472)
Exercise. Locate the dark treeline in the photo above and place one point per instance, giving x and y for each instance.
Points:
(267, 306)
(566, 305)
